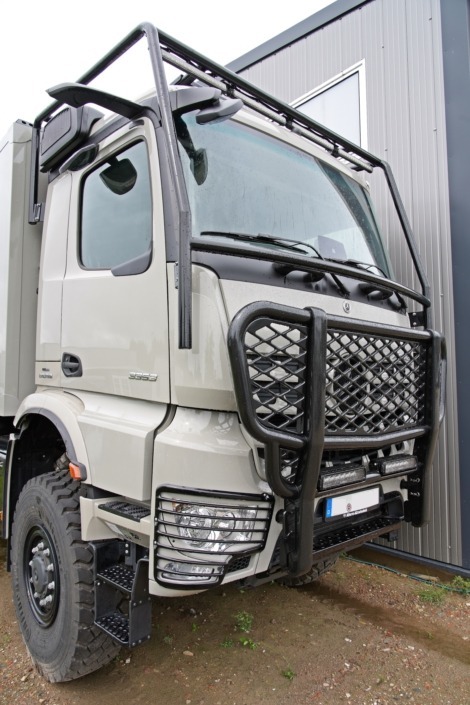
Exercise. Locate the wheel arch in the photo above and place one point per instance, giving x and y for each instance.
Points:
(46, 428)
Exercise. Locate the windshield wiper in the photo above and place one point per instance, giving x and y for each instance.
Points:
(371, 288)
(288, 244)
(357, 264)
(270, 239)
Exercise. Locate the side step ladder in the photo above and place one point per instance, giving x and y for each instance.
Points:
(114, 583)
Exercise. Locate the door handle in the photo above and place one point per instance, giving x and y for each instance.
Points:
(71, 365)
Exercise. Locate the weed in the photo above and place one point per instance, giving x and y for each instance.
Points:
(246, 641)
(194, 627)
(167, 639)
(431, 594)
(461, 584)
(227, 643)
(244, 621)
(288, 673)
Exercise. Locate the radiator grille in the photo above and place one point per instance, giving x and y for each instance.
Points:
(375, 384)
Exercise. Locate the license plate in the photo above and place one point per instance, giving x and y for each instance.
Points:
(348, 505)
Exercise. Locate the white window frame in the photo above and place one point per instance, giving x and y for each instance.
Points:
(360, 69)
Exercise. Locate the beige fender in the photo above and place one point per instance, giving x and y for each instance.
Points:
(63, 410)
(111, 436)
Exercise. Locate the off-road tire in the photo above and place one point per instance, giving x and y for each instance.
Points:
(60, 634)
(315, 572)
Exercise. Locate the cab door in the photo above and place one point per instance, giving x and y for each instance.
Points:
(114, 337)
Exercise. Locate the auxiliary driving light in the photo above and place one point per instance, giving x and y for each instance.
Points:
(342, 475)
(394, 464)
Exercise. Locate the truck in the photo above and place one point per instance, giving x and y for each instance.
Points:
(209, 373)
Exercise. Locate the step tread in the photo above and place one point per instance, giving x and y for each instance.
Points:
(116, 625)
(134, 512)
(120, 576)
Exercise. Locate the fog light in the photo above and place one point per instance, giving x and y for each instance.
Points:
(342, 475)
(192, 572)
(394, 464)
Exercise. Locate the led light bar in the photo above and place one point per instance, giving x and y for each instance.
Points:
(394, 464)
(342, 475)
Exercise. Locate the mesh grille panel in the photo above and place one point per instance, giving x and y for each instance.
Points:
(374, 384)
(276, 354)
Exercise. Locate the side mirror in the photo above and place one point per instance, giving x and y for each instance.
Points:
(120, 176)
(198, 161)
(222, 109)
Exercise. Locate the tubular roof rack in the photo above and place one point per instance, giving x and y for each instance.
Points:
(164, 48)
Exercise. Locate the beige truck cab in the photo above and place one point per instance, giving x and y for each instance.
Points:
(208, 370)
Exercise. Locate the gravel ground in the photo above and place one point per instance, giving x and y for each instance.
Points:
(361, 635)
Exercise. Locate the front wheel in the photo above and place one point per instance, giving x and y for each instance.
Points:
(52, 572)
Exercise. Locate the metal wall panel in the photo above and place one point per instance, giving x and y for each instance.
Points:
(400, 41)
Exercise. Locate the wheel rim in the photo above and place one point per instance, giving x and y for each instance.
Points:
(41, 571)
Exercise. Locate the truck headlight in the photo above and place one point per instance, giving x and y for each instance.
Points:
(213, 529)
(196, 536)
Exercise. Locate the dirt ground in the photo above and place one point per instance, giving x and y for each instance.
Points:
(361, 635)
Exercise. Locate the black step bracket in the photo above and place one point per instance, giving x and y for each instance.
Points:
(417, 319)
(115, 625)
(135, 512)
(112, 584)
(347, 538)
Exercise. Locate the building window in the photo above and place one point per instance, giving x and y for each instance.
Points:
(116, 223)
(339, 104)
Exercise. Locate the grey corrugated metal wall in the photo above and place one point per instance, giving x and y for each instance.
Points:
(400, 41)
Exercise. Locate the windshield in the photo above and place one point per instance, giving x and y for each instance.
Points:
(243, 181)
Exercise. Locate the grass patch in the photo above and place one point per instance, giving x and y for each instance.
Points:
(249, 643)
(461, 584)
(288, 673)
(244, 621)
(432, 595)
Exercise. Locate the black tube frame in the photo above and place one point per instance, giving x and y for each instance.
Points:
(296, 538)
(163, 47)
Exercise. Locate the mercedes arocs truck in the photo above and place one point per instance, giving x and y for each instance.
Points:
(209, 372)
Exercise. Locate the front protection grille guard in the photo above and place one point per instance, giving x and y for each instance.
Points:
(291, 343)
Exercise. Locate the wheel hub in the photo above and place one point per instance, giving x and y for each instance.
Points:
(39, 572)
(41, 576)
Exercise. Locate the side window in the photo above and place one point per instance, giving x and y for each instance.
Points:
(116, 218)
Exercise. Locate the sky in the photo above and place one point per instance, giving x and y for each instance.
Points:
(46, 43)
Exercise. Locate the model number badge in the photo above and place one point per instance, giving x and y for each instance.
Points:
(143, 376)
